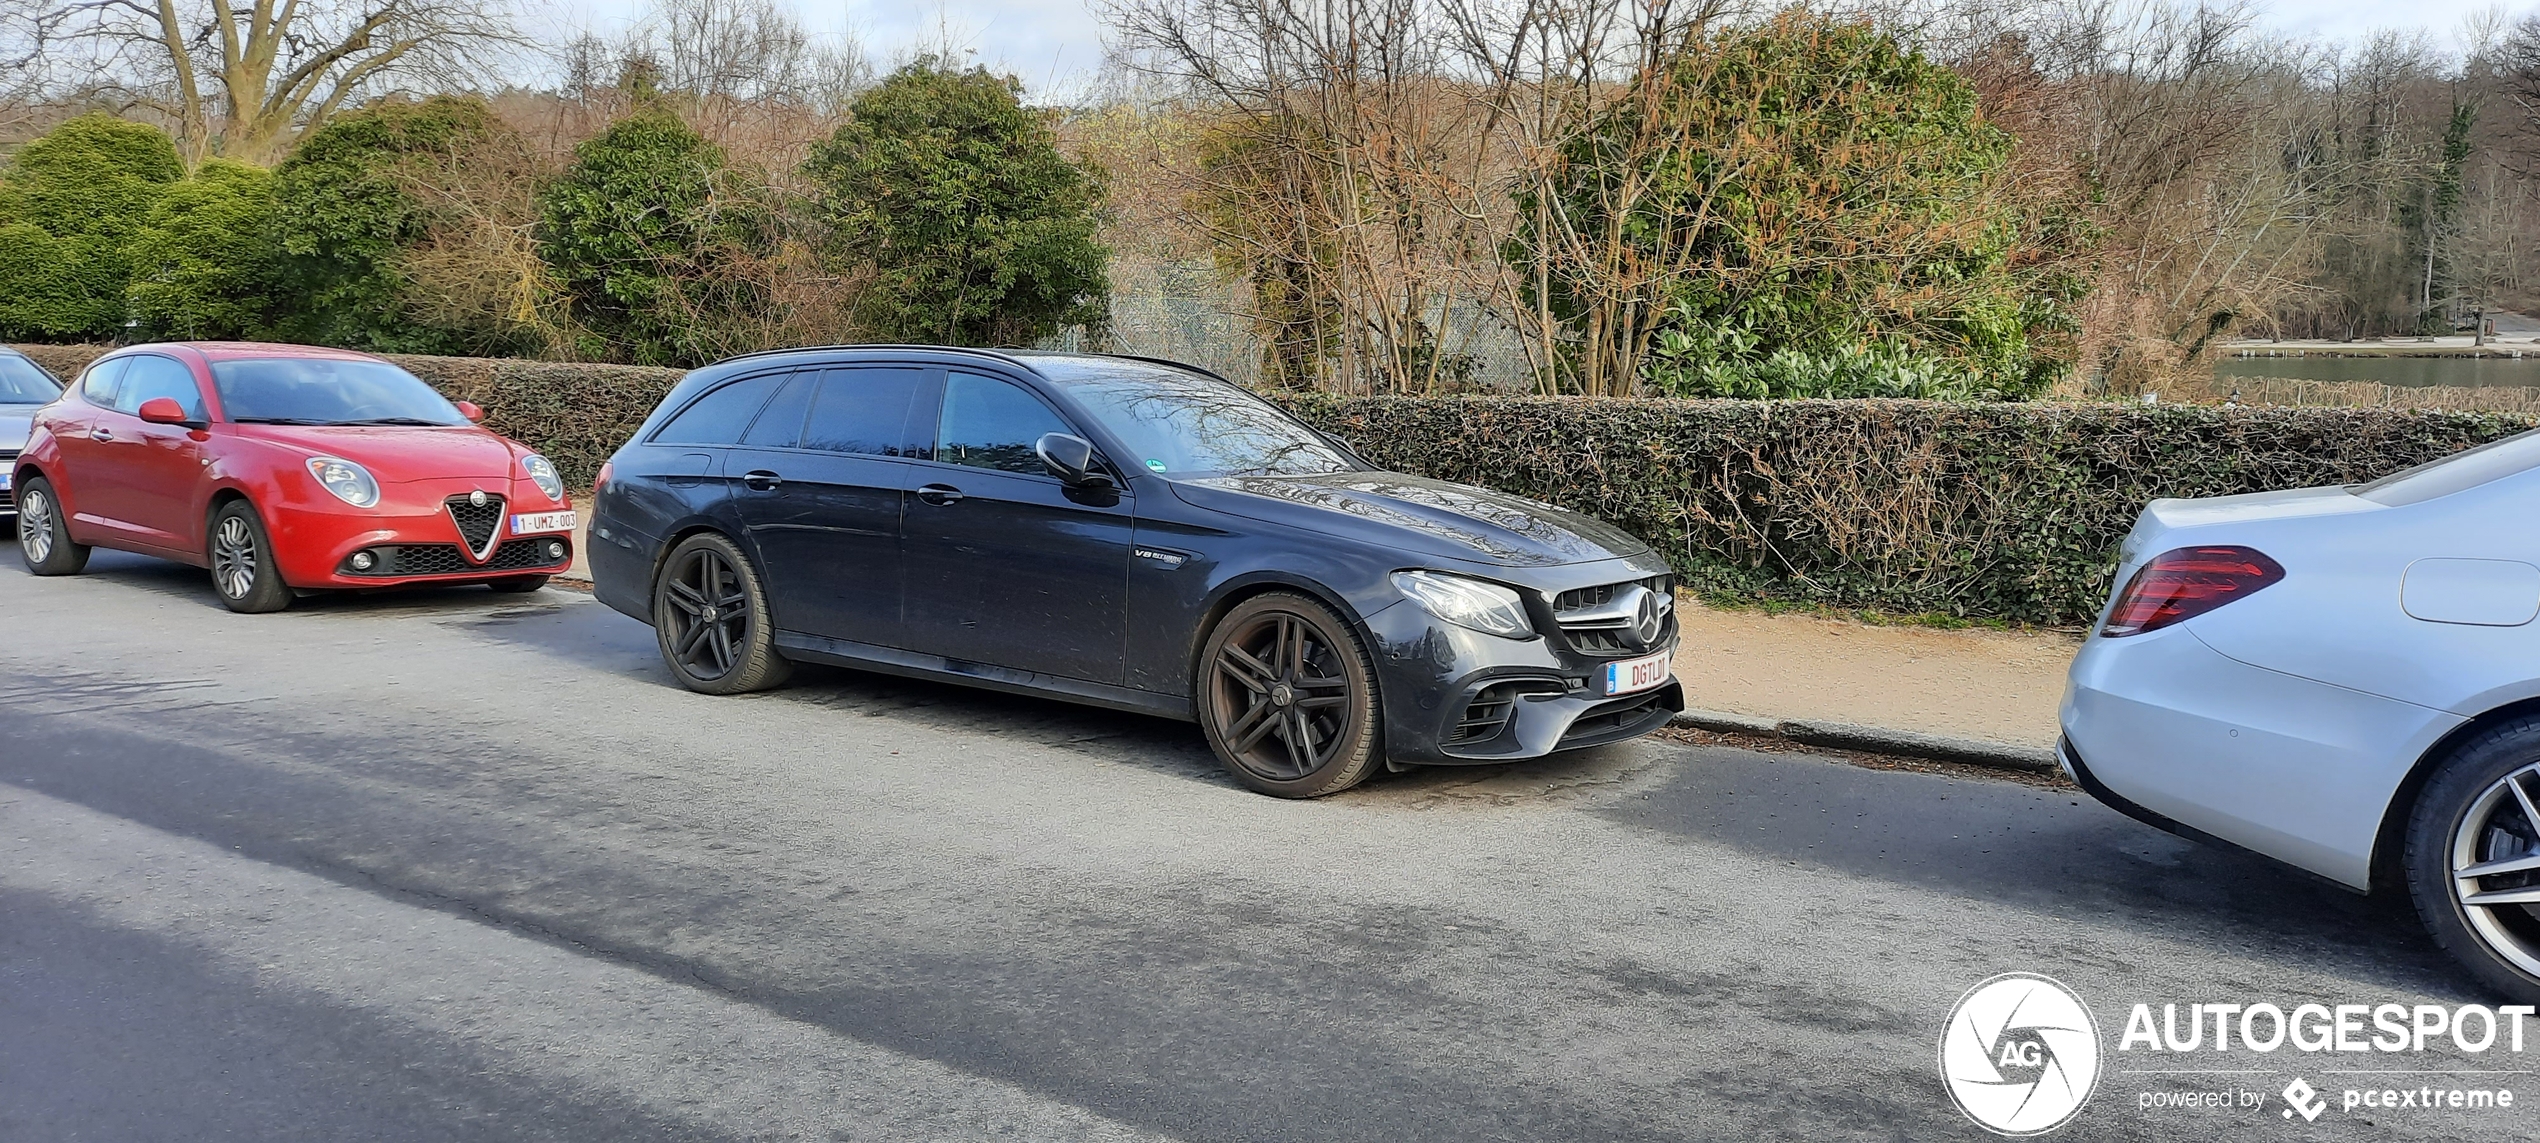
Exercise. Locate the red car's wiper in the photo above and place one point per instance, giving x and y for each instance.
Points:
(278, 421)
(398, 421)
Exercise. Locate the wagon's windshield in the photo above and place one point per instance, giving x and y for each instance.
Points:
(325, 391)
(22, 383)
(1183, 424)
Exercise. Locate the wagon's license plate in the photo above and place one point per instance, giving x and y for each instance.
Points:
(1636, 674)
(528, 522)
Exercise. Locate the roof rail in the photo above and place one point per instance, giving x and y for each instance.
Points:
(996, 354)
(1199, 369)
(1009, 357)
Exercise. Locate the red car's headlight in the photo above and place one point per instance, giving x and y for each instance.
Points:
(350, 482)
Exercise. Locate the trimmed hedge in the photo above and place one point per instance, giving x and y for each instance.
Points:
(1994, 510)
(576, 414)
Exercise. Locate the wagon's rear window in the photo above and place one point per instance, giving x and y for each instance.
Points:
(327, 391)
(2462, 470)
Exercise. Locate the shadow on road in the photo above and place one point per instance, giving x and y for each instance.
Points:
(2047, 850)
(193, 585)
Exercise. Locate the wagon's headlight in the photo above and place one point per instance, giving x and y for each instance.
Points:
(350, 482)
(543, 474)
(1485, 607)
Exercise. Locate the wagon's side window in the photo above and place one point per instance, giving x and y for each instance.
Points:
(719, 417)
(988, 423)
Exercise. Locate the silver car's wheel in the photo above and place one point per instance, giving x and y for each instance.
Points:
(2496, 867)
(2472, 860)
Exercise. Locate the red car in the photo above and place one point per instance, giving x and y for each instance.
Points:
(284, 469)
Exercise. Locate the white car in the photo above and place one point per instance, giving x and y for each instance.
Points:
(2343, 679)
(24, 388)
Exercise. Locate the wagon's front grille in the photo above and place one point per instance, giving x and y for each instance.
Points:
(391, 560)
(477, 523)
(1590, 626)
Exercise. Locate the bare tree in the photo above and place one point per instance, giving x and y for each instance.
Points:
(244, 80)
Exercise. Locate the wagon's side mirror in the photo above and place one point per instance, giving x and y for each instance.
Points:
(165, 411)
(474, 413)
(1071, 460)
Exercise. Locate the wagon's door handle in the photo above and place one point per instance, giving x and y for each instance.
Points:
(762, 480)
(939, 494)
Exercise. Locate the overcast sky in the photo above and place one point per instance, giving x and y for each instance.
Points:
(1050, 42)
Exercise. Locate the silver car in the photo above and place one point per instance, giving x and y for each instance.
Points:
(24, 388)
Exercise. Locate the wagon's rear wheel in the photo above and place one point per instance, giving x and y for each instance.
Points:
(710, 615)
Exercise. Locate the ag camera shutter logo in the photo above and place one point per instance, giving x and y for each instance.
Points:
(2021, 1054)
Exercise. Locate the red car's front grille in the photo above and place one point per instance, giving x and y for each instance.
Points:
(477, 523)
(391, 560)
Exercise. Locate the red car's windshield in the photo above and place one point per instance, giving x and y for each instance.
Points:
(327, 391)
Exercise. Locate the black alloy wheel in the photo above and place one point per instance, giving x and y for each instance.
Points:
(44, 536)
(242, 562)
(1287, 697)
(710, 616)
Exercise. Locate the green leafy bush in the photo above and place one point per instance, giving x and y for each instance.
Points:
(639, 234)
(951, 200)
(68, 204)
(1804, 208)
(354, 206)
(204, 261)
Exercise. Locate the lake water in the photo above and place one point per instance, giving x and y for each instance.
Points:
(2411, 371)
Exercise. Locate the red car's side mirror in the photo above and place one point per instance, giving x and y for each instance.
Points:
(164, 411)
(472, 411)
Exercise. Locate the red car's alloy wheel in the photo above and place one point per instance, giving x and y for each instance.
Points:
(44, 538)
(35, 527)
(243, 571)
(234, 558)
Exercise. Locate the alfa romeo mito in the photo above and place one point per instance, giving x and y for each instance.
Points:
(1133, 534)
(284, 469)
(2344, 679)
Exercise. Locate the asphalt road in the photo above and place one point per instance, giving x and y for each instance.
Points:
(452, 865)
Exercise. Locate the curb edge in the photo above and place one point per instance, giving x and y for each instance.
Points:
(1877, 740)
